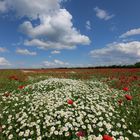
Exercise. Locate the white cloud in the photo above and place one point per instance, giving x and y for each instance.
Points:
(25, 52)
(102, 14)
(2, 6)
(3, 49)
(47, 44)
(88, 25)
(117, 53)
(58, 31)
(131, 33)
(55, 63)
(55, 27)
(58, 63)
(61, 62)
(48, 64)
(4, 62)
(32, 8)
(55, 52)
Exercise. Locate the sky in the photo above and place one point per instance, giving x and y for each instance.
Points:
(69, 33)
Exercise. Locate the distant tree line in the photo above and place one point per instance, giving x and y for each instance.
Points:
(136, 65)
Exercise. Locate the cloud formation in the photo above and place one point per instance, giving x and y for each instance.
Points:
(88, 25)
(102, 14)
(117, 53)
(4, 62)
(55, 63)
(131, 32)
(32, 9)
(2, 6)
(25, 52)
(55, 30)
(55, 52)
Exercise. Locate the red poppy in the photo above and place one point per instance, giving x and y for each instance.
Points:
(13, 77)
(69, 101)
(21, 87)
(128, 97)
(80, 134)
(125, 88)
(135, 77)
(107, 137)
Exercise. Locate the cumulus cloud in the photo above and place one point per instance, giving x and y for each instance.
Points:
(4, 62)
(2, 6)
(102, 14)
(25, 52)
(58, 63)
(41, 44)
(55, 29)
(55, 52)
(55, 63)
(61, 62)
(88, 25)
(32, 9)
(58, 31)
(3, 49)
(117, 53)
(131, 33)
(64, 42)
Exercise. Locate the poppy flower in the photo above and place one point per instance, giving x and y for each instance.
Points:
(128, 97)
(80, 134)
(125, 88)
(21, 87)
(69, 101)
(135, 77)
(13, 77)
(107, 137)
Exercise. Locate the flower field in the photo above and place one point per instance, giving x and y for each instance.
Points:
(70, 105)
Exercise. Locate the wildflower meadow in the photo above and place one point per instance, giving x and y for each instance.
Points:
(70, 105)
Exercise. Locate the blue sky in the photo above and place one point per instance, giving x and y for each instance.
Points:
(68, 33)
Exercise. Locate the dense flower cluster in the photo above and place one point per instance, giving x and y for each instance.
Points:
(63, 109)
